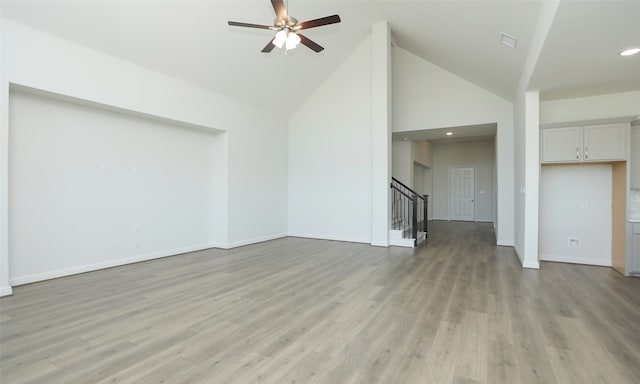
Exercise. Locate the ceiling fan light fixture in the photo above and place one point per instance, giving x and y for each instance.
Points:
(286, 28)
(292, 40)
(280, 39)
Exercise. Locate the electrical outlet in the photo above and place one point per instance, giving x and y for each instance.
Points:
(573, 242)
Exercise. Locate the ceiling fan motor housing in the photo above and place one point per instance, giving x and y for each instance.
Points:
(290, 21)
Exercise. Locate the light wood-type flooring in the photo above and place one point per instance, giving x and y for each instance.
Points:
(457, 310)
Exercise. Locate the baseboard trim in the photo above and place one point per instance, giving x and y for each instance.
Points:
(330, 237)
(256, 240)
(6, 290)
(405, 243)
(502, 243)
(575, 260)
(530, 264)
(519, 254)
(21, 280)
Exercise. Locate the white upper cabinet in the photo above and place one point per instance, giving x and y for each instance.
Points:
(604, 142)
(561, 144)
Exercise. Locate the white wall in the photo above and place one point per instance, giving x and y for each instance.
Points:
(428, 190)
(477, 154)
(426, 97)
(402, 158)
(588, 108)
(405, 155)
(330, 156)
(257, 174)
(91, 188)
(257, 177)
(575, 202)
(421, 152)
(419, 172)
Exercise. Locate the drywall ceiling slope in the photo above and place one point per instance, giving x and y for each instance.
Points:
(191, 40)
(581, 53)
(463, 37)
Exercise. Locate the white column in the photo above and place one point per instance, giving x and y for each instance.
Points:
(527, 121)
(5, 288)
(532, 179)
(380, 133)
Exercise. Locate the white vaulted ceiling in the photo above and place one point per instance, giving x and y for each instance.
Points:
(191, 40)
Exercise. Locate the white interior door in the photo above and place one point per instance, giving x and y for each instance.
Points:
(462, 194)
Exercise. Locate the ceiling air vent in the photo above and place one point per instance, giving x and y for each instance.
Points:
(508, 40)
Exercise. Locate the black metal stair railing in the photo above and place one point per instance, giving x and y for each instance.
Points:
(408, 210)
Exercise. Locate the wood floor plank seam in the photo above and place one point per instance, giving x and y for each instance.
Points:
(458, 309)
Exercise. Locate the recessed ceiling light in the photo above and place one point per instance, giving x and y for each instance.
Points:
(449, 133)
(405, 139)
(630, 52)
(508, 40)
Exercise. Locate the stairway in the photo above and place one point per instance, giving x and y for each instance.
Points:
(397, 238)
(409, 214)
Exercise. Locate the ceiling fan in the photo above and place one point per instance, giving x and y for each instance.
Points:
(288, 27)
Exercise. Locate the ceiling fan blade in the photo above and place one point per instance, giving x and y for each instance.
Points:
(281, 10)
(269, 47)
(309, 43)
(318, 22)
(248, 25)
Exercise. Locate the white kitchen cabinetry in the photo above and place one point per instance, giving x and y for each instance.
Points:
(561, 144)
(635, 157)
(589, 143)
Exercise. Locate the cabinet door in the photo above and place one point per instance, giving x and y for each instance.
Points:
(561, 145)
(604, 142)
(635, 157)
